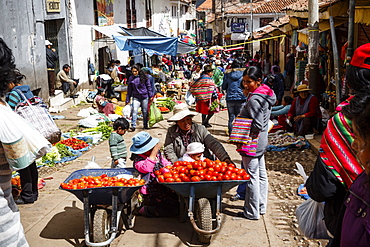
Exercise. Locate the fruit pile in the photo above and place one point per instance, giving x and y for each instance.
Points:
(74, 143)
(207, 170)
(103, 180)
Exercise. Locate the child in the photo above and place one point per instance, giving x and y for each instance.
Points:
(117, 144)
(158, 199)
(194, 152)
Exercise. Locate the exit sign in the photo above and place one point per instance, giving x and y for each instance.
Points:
(52, 5)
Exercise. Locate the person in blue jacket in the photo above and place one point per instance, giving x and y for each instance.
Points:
(29, 176)
(234, 93)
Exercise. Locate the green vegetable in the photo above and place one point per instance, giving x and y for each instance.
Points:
(214, 106)
(168, 102)
(49, 158)
(63, 150)
(103, 128)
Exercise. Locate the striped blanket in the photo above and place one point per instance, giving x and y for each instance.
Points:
(336, 151)
(202, 88)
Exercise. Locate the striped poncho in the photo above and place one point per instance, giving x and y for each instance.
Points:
(336, 151)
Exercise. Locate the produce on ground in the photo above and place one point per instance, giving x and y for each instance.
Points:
(101, 181)
(50, 158)
(166, 102)
(102, 127)
(74, 143)
(207, 170)
(63, 150)
(163, 109)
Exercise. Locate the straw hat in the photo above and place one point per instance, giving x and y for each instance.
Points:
(302, 88)
(142, 142)
(180, 111)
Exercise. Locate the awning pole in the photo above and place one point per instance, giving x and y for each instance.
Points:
(336, 61)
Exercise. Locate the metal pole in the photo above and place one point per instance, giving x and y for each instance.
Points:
(336, 60)
(178, 18)
(313, 46)
(251, 7)
(351, 29)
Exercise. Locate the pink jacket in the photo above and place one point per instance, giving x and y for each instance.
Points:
(147, 166)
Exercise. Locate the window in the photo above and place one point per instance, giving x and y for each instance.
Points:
(131, 13)
(265, 21)
(148, 13)
(174, 11)
(128, 13)
(242, 20)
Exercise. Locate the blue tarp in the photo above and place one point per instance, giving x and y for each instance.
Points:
(164, 45)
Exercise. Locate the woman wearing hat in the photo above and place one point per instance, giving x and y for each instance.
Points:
(103, 105)
(336, 165)
(140, 90)
(305, 111)
(147, 158)
(185, 131)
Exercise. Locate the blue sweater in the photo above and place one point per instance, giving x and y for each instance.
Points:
(231, 84)
(13, 98)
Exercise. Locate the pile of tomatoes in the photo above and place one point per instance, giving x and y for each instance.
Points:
(103, 180)
(207, 170)
(74, 143)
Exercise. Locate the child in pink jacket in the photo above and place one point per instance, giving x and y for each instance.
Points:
(159, 200)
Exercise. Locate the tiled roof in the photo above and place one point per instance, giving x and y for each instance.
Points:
(302, 5)
(245, 8)
(273, 6)
(281, 21)
(207, 5)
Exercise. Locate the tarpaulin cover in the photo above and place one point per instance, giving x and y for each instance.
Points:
(164, 45)
(182, 47)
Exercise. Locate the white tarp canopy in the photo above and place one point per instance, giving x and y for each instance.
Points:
(240, 36)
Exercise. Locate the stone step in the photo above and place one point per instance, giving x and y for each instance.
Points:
(62, 105)
(57, 99)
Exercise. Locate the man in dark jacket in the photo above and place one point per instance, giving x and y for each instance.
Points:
(51, 57)
(289, 71)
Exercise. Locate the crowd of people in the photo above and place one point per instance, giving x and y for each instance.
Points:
(253, 88)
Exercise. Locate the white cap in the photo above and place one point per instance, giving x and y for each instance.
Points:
(195, 148)
(47, 42)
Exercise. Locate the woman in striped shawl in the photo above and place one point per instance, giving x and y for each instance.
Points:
(11, 230)
(336, 167)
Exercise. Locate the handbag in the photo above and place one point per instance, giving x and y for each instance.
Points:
(310, 216)
(21, 143)
(241, 133)
(35, 112)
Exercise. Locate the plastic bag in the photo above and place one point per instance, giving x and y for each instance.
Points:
(22, 143)
(155, 115)
(189, 98)
(126, 111)
(310, 215)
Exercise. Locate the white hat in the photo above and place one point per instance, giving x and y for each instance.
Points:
(218, 62)
(180, 111)
(47, 42)
(195, 148)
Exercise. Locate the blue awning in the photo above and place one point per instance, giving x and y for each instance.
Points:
(162, 45)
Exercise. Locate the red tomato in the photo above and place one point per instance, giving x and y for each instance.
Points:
(233, 176)
(214, 178)
(219, 178)
(235, 170)
(178, 180)
(226, 177)
(228, 172)
(223, 169)
(157, 172)
(177, 163)
(185, 179)
(195, 179)
(196, 165)
(217, 168)
(182, 169)
(169, 180)
(160, 178)
(207, 177)
(238, 177)
(167, 175)
(201, 177)
(246, 177)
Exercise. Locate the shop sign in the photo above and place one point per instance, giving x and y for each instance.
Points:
(52, 5)
(237, 27)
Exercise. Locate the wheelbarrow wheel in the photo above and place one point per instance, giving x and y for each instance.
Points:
(203, 217)
(101, 226)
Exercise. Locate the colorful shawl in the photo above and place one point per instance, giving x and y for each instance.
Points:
(202, 88)
(336, 151)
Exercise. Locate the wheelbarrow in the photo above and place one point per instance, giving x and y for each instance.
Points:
(105, 206)
(203, 201)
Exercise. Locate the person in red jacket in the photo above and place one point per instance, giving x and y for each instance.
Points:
(305, 111)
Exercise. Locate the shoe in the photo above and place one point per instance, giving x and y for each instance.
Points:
(73, 96)
(242, 215)
(20, 201)
(235, 197)
(132, 129)
(208, 125)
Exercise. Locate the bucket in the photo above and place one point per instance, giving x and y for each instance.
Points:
(123, 96)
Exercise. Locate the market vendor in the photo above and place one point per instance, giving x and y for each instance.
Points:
(185, 131)
(305, 111)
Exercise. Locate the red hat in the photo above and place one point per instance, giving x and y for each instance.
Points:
(359, 56)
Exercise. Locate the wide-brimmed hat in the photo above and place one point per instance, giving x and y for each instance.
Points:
(208, 68)
(360, 55)
(195, 148)
(143, 142)
(180, 111)
(47, 42)
(302, 88)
